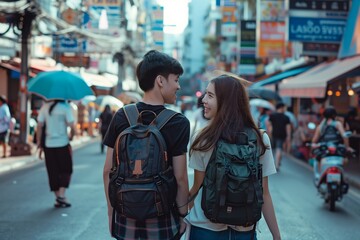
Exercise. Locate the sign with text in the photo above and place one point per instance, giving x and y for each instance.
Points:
(320, 49)
(323, 5)
(67, 44)
(272, 40)
(248, 39)
(316, 29)
(229, 14)
(273, 10)
(157, 26)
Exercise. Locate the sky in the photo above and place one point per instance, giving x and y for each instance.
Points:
(175, 15)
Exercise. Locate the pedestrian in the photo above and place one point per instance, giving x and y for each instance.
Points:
(227, 106)
(264, 116)
(294, 126)
(279, 128)
(158, 76)
(5, 119)
(83, 118)
(57, 117)
(105, 119)
(199, 119)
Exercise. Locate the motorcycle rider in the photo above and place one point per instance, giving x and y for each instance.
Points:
(338, 138)
(330, 119)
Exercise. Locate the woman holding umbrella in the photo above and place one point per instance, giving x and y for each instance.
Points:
(57, 87)
(57, 115)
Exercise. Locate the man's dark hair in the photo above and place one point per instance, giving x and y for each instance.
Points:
(280, 105)
(153, 64)
(3, 99)
(330, 112)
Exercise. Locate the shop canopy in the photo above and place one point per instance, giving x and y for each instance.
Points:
(313, 83)
(278, 77)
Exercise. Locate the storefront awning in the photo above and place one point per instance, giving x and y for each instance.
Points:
(14, 68)
(278, 77)
(313, 83)
(356, 86)
(98, 81)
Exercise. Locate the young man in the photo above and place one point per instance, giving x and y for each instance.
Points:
(158, 76)
(279, 128)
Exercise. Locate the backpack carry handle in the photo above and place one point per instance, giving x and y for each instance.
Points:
(140, 117)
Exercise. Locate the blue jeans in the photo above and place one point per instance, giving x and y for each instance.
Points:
(229, 234)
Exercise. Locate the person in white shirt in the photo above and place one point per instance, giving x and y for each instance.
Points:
(57, 117)
(227, 106)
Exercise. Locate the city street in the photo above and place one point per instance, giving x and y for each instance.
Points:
(27, 211)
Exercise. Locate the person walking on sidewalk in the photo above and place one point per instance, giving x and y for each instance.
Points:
(279, 128)
(57, 115)
(105, 119)
(5, 119)
(227, 106)
(158, 76)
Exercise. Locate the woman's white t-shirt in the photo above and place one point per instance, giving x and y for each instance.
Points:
(56, 123)
(198, 161)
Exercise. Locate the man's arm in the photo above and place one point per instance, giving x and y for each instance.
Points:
(180, 172)
(198, 181)
(106, 172)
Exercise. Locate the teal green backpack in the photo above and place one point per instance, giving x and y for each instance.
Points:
(232, 188)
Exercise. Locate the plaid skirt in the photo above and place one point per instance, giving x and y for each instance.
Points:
(161, 228)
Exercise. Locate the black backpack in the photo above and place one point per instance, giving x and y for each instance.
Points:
(232, 188)
(329, 133)
(142, 183)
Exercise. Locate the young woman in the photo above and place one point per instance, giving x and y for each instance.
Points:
(227, 106)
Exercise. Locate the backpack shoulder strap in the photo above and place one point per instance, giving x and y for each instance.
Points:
(131, 113)
(164, 117)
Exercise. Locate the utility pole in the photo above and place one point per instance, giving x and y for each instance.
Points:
(22, 147)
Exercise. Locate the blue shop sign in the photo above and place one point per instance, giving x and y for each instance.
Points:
(316, 29)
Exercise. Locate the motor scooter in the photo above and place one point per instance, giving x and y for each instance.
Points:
(329, 171)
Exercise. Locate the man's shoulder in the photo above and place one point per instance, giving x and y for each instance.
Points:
(179, 118)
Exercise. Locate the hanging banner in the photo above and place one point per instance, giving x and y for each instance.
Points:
(157, 26)
(273, 10)
(272, 40)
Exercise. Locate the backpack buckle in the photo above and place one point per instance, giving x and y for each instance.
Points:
(119, 181)
(157, 180)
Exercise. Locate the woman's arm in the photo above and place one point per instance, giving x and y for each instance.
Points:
(198, 180)
(269, 212)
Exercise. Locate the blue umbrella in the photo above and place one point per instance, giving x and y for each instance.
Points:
(59, 85)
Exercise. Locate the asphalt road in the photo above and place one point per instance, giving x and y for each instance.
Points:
(27, 212)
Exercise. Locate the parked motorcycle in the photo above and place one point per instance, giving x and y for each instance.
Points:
(329, 171)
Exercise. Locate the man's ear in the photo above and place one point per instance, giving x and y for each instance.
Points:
(159, 80)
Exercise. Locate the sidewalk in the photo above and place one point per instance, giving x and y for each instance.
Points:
(12, 163)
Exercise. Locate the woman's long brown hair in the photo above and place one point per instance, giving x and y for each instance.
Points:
(233, 114)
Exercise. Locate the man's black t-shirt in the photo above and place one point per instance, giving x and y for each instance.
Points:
(279, 122)
(176, 132)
